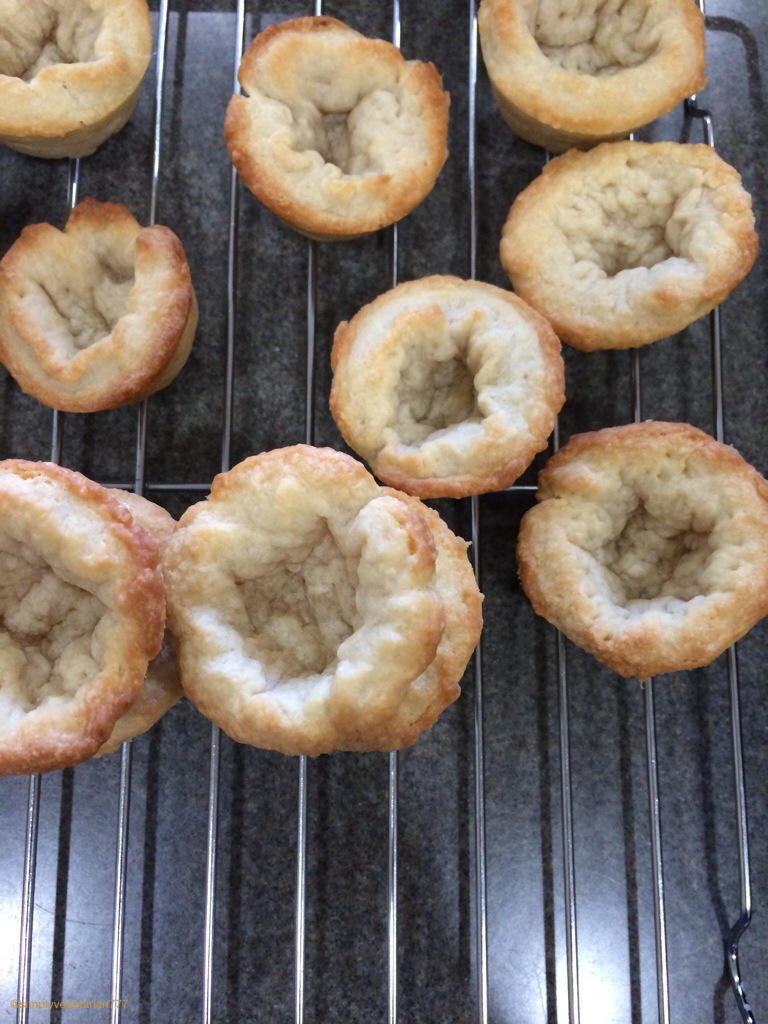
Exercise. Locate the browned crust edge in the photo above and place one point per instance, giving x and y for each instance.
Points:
(640, 655)
(662, 300)
(469, 484)
(463, 626)
(460, 628)
(532, 108)
(161, 360)
(139, 597)
(302, 217)
(111, 84)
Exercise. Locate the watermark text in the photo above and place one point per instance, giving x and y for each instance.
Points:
(67, 1004)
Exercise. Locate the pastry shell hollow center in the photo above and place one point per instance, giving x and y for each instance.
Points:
(98, 315)
(336, 133)
(45, 34)
(81, 610)
(49, 623)
(313, 610)
(70, 72)
(344, 570)
(447, 387)
(595, 37)
(648, 546)
(629, 242)
(577, 72)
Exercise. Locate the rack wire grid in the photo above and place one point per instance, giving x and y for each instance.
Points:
(444, 881)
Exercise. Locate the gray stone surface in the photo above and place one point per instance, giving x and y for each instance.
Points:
(346, 909)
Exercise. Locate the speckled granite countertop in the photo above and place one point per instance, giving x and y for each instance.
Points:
(346, 977)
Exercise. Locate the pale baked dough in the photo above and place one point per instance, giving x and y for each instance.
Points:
(649, 546)
(313, 610)
(162, 688)
(438, 685)
(70, 72)
(447, 387)
(577, 72)
(81, 613)
(98, 315)
(630, 242)
(336, 133)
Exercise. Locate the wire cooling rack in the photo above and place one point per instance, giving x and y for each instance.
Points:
(569, 1001)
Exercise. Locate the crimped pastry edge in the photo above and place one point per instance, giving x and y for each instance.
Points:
(666, 308)
(167, 339)
(385, 732)
(161, 689)
(69, 110)
(648, 651)
(558, 109)
(137, 591)
(303, 217)
(399, 472)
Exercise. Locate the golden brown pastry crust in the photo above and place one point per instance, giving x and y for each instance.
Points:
(162, 688)
(447, 387)
(603, 87)
(438, 686)
(99, 315)
(305, 603)
(649, 546)
(630, 242)
(82, 613)
(389, 132)
(70, 72)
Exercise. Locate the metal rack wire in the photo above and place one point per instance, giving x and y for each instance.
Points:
(138, 485)
(696, 114)
(33, 800)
